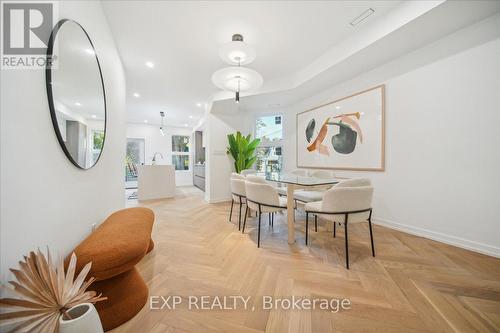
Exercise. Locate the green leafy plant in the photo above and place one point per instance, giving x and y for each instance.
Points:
(242, 149)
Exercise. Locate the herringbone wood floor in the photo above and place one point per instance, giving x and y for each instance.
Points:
(413, 284)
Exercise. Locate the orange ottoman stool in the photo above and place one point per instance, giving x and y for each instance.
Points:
(114, 248)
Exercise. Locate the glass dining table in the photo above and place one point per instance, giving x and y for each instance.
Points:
(293, 183)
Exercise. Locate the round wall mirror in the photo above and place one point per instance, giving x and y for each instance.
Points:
(75, 90)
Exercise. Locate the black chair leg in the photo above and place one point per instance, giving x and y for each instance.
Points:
(269, 219)
(231, 211)
(258, 232)
(239, 217)
(371, 233)
(316, 223)
(272, 220)
(245, 219)
(307, 225)
(334, 229)
(346, 244)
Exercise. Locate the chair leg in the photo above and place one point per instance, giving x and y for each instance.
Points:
(334, 229)
(307, 225)
(316, 223)
(269, 219)
(245, 220)
(231, 211)
(346, 243)
(258, 232)
(371, 233)
(239, 217)
(272, 220)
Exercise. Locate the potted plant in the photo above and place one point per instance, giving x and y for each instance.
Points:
(242, 150)
(49, 298)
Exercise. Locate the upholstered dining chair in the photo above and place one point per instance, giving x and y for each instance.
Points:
(303, 196)
(317, 195)
(262, 198)
(256, 179)
(324, 174)
(314, 194)
(247, 172)
(344, 204)
(354, 182)
(299, 172)
(237, 175)
(238, 195)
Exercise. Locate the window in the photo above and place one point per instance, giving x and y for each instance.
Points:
(97, 143)
(269, 159)
(269, 129)
(181, 162)
(135, 156)
(180, 143)
(180, 152)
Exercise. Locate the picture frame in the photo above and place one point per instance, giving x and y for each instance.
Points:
(345, 134)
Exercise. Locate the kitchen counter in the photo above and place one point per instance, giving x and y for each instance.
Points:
(199, 176)
(155, 182)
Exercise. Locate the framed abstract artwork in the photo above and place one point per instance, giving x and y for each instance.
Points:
(346, 134)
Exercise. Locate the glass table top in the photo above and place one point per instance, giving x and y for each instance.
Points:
(288, 178)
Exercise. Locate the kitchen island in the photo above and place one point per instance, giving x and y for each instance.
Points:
(155, 182)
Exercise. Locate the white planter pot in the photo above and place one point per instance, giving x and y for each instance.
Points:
(85, 320)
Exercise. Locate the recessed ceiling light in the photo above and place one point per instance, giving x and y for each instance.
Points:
(94, 116)
(337, 107)
(186, 125)
(198, 105)
(150, 64)
(137, 95)
(190, 117)
(362, 17)
(78, 104)
(90, 51)
(145, 121)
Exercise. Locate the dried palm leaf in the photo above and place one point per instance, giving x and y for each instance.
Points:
(44, 292)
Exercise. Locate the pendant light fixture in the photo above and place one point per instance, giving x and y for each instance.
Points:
(237, 78)
(162, 130)
(237, 52)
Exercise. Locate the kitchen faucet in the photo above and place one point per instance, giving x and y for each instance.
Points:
(154, 157)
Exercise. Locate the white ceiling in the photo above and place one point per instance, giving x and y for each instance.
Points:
(182, 39)
(439, 21)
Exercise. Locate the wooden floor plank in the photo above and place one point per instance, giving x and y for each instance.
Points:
(412, 285)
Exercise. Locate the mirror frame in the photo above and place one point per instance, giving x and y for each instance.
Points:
(50, 95)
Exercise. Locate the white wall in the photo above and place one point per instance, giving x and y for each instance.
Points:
(219, 165)
(45, 200)
(442, 177)
(155, 142)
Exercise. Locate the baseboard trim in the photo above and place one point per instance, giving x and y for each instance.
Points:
(440, 237)
(218, 200)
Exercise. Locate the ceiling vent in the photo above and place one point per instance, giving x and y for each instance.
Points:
(362, 17)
